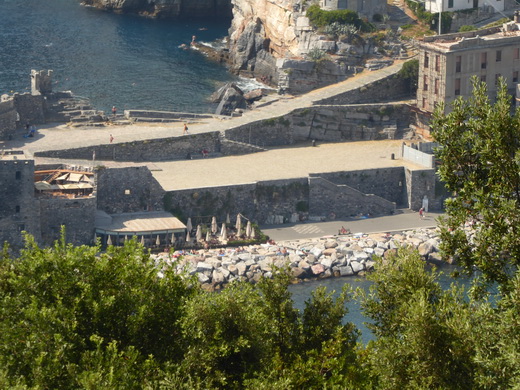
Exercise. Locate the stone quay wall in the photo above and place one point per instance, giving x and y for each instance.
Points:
(305, 259)
(389, 88)
(77, 215)
(126, 190)
(321, 123)
(19, 109)
(346, 194)
(174, 148)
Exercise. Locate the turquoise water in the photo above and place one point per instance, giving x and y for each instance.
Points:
(122, 60)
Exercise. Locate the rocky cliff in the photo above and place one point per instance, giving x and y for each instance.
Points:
(261, 31)
(167, 8)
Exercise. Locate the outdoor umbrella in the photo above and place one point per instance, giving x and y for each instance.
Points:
(222, 230)
(238, 224)
(253, 234)
(198, 235)
(158, 241)
(223, 237)
(207, 236)
(188, 238)
(248, 229)
(214, 226)
(189, 226)
(173, 238)
(142, 240)
(109, 240)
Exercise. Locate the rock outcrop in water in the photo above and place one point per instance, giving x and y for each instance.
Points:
(167, 8)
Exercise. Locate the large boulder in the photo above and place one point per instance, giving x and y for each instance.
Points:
(232, 99)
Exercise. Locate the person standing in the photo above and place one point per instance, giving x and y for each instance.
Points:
(421, 213)
(111, 138)
(185, 131)
(114, 110)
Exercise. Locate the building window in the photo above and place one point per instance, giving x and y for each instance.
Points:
(483, 78)
(426, 60)
(437, 63)
(499, 55)
(450, 3)
(425, 83)
(515, 76)
(436, 86)
(18, 175)
(457, 87)
(424, 103)
(516, 54)
(483, 60)
(458, 63)
(127, 192)
(497, 77)
(17, 209)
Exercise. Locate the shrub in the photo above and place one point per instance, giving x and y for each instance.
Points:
(467, 27)
(321, 18)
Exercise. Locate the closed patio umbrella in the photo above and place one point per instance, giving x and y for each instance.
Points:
(173, 239)
(188, 238)
(223, 237)
(208, 237)
(157, 240)
(198, 235)
(189, 226)
(238, 224)
(248, 229)
(142, 240)
(214, 226)
(109, 240)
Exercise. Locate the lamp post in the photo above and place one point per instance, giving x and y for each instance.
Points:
(440, 18)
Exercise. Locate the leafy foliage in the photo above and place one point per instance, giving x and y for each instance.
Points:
(479, 150)
(322, 18)
(410, 73)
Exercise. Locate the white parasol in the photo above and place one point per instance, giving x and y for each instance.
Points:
(109, 240)
(208, 238)
(142, 240)
(189, 226)
(223, 236)
(214, 226)
(188, 238)
(198, 235)
(238, 225)
(157, 240)
(248, 229)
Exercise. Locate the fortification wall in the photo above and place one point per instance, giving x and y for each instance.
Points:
(19, 210)
(78, 215)
(389, 88)
(8, 117)
(126, 190)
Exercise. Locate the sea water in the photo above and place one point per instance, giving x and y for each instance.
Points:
(128, 61)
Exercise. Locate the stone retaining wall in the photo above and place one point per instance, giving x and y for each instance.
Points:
(127, 190)
(77, 215)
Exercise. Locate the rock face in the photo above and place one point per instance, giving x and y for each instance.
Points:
(166, 8)
(231, 99)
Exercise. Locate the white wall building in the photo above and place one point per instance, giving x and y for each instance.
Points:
(433, 6)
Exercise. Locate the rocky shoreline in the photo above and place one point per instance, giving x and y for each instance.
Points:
(312, 259)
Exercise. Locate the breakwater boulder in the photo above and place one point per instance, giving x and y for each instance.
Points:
(320, 258)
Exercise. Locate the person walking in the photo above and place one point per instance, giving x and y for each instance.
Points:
(114, 110)
(421, 213)
(111, 138)
(185, 131)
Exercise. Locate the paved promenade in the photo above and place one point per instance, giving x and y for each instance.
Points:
(64, 137)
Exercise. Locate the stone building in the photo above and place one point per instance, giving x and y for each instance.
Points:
(362, 7)
(433, 6)
(447, 63)
(19, 209)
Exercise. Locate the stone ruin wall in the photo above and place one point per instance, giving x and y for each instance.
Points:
(78, 215)
(127, 190)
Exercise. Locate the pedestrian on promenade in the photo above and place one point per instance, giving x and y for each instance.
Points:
(111, 138)
(185, 131)
(421, 213)
(114, 110)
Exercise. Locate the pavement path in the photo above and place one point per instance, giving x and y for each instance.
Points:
(58, 137)
(403, 219)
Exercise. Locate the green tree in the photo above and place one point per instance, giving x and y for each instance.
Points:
(64, 309)
(424, 335)
(479, 154)
(410, 74)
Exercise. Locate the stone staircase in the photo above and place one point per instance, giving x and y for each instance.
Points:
(64, 107)
(229, 147)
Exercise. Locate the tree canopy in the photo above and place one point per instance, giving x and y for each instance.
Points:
(479, 154)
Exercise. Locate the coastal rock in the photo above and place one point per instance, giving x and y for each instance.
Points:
(317, 269)
(232, 99)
